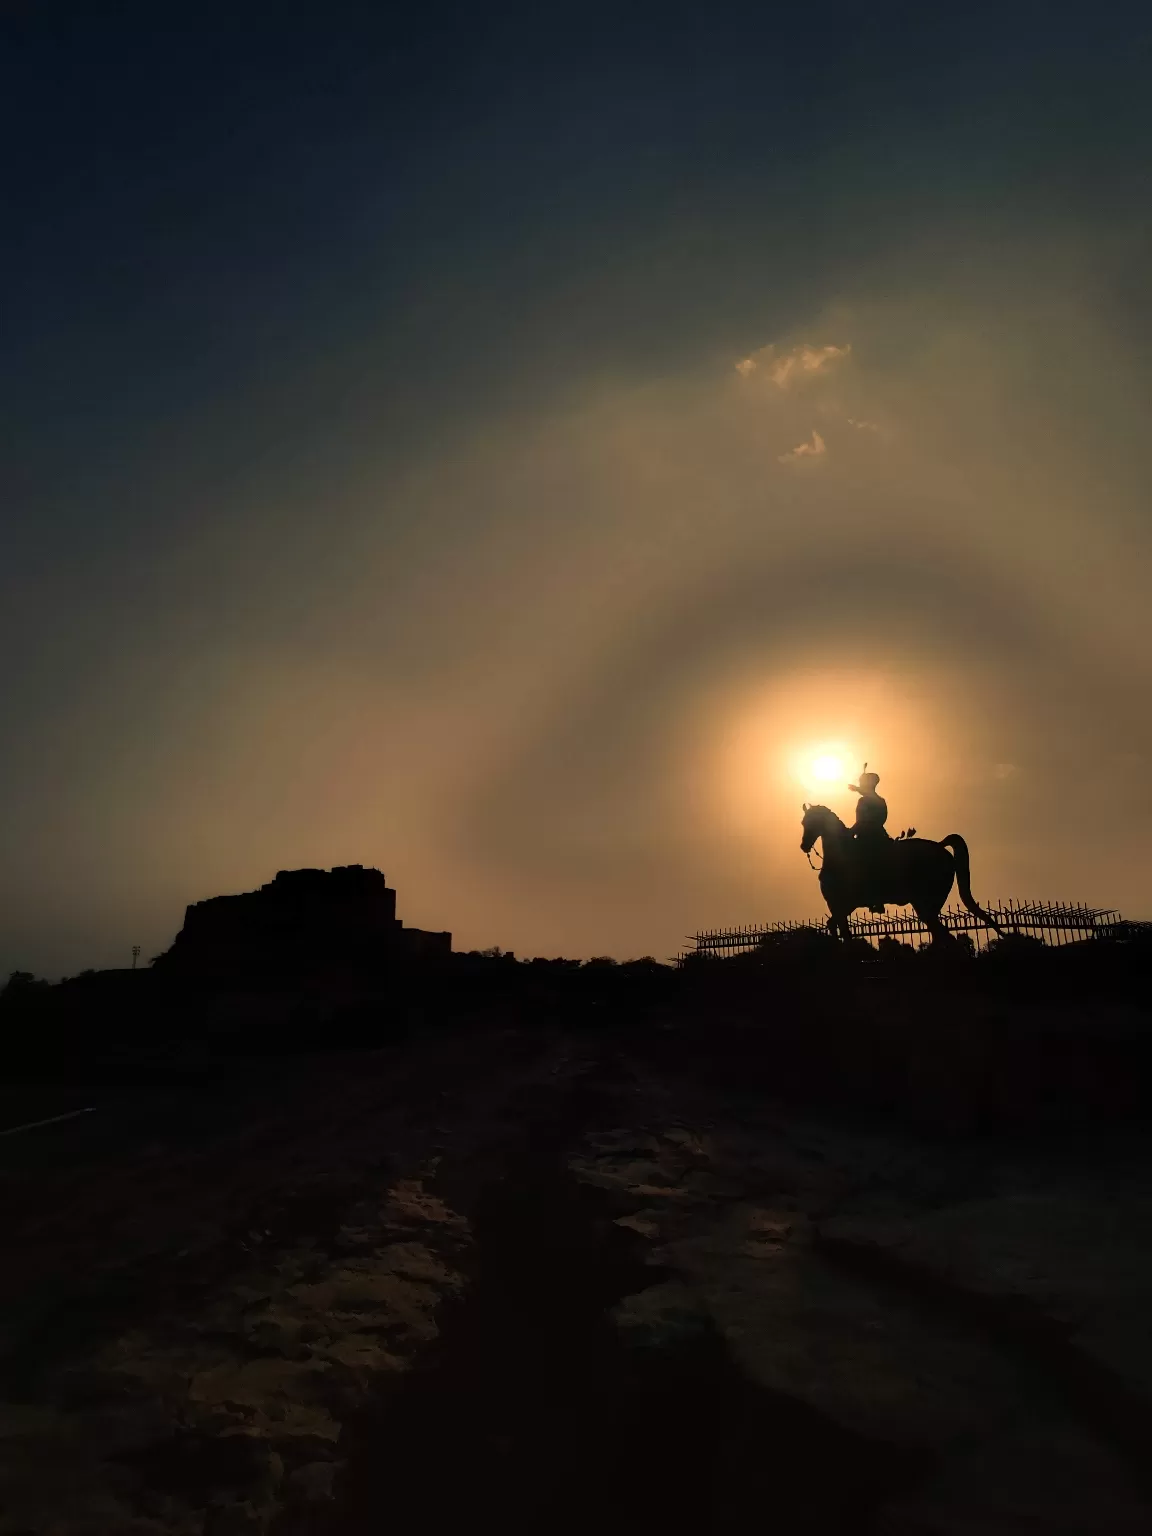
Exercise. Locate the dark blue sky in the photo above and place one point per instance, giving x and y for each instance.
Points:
(194, 205)
(243, 246)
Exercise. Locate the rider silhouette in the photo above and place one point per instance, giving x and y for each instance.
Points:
(871, 838)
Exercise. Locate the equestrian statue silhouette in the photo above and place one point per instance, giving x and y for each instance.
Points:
(864, 867)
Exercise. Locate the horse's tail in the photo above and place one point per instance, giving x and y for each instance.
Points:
(959, 851)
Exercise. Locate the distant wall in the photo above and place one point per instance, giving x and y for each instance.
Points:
(420, 944)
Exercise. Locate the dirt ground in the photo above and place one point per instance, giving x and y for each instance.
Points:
(530, 1282)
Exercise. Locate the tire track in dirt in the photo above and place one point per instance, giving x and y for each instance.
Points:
(193, 1392)
(1099, 1398)
(100, 1248)
(532, 1411)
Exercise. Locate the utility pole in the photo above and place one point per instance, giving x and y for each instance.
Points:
(135, 955)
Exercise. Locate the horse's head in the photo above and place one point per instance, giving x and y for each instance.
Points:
(818, 821)
(813, 825)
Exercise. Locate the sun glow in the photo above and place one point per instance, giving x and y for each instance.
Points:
(804, 737)
(827, 768)
(823, 769)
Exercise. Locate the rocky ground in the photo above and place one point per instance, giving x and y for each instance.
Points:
(535, 1283)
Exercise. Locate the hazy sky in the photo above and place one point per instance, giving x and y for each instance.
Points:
(505, 445)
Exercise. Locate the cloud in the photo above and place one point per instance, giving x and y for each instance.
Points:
(786, 368)
(1005, 771)
(863, 426)
(814, 448)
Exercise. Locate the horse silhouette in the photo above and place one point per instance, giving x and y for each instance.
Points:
(913, 871)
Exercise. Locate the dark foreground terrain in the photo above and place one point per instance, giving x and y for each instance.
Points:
(556, 1279)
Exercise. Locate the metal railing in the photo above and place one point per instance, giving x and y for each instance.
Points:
(1053, 923)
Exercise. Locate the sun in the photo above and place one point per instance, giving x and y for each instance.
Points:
(821, 766)
(827, 767)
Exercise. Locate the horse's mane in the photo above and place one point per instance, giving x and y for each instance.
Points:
(824, 810)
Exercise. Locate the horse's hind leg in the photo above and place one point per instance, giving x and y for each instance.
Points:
(936, 928)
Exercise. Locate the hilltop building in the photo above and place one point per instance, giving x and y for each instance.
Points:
(312, 922)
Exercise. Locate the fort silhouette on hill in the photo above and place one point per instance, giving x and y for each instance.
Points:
(304, 922)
